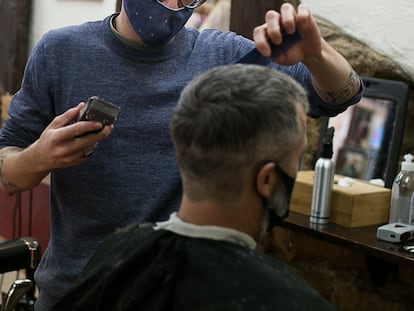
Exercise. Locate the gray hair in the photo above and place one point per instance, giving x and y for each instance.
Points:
(231, 119)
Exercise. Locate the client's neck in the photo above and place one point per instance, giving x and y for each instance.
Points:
(242, 214)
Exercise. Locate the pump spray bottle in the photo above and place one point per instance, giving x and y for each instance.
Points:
(323, 182)
(402, 190)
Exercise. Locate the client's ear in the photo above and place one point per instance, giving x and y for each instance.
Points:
(266, 179)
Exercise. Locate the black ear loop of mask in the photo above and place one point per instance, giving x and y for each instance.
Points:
(275, 214)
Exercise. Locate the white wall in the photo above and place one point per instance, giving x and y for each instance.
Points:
(385, 25)
(49, 14)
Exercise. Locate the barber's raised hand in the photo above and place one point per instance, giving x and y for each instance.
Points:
(289, 20)
(64, 143)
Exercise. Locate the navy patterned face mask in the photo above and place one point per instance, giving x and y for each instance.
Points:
(155, 23)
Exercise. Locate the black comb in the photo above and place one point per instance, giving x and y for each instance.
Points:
(254, 57)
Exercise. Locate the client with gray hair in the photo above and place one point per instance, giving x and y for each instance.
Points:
(239, 132)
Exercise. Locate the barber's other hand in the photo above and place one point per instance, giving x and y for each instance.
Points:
(289, 20)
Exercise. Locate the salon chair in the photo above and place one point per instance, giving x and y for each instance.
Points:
(19, 254)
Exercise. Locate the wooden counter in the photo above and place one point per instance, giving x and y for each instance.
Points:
(361, 238)
(349, 266)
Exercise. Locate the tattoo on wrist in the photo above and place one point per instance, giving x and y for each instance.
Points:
(9, 186)
(340, 96)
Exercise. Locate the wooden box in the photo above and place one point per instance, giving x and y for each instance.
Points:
(360, 204)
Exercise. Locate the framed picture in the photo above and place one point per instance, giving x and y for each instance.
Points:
(371, 131)
(352, 162)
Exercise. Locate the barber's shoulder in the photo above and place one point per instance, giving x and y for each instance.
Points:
(72, 34)
(225, 44)
(221, 37)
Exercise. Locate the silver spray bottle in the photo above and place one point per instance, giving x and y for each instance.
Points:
(323, 182)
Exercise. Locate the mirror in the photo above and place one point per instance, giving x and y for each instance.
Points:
(368, 135)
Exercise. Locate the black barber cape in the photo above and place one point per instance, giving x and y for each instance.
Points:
(139, 268)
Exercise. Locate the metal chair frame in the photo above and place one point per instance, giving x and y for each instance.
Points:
(19, 254)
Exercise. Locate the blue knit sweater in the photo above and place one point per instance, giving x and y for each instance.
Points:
(132, 176)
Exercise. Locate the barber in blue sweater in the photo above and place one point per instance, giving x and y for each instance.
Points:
(140, 59)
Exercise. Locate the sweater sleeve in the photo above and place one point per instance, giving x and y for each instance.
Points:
(318, 107)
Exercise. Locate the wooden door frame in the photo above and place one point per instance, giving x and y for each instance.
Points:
(15, 18)
(244, 17)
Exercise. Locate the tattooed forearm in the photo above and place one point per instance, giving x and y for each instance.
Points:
(5, 183)
(340, 96)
